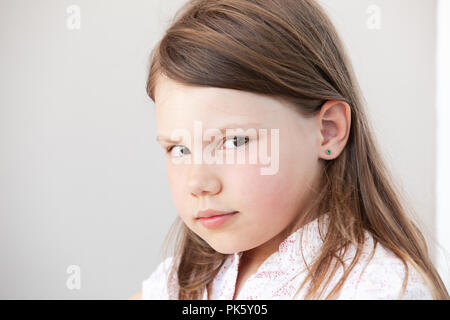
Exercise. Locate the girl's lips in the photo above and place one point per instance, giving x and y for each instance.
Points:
(216, 221)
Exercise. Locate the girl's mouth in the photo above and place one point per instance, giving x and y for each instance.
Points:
(216, 221)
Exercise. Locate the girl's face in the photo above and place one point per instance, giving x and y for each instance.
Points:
(266, 203)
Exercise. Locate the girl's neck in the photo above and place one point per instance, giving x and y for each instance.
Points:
(253, 258)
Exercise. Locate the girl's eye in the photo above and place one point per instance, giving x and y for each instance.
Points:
(237, 141)
(169, 150)
(233, 142)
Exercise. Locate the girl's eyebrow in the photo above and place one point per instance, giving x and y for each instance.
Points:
(164, 138)
(223, 128)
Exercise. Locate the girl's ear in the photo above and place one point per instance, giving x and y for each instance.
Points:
(334, 121)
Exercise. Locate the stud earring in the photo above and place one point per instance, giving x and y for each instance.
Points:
(328, 151)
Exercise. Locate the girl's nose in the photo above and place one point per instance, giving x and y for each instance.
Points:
(204, 184)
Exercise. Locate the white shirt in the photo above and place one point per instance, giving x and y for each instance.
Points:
(281, 274)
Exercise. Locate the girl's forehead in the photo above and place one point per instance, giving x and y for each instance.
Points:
(175, 95)
(181, 105)
(220, 104)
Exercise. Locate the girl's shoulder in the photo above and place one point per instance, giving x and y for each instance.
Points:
(158, 286)
(381, 277)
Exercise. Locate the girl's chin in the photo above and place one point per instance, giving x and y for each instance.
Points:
(224, 249)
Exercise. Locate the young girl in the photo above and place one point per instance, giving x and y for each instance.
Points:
(325, 221)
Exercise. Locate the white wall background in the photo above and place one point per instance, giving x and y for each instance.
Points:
(443, 140)
(82, 181)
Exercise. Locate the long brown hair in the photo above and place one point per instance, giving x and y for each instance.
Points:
(290, 49)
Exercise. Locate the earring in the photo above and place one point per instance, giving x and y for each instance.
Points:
(328, 151)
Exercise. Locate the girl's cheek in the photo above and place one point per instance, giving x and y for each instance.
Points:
(178, 188)
(255, 192)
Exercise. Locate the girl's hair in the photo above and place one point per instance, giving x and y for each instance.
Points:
(290, 49)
